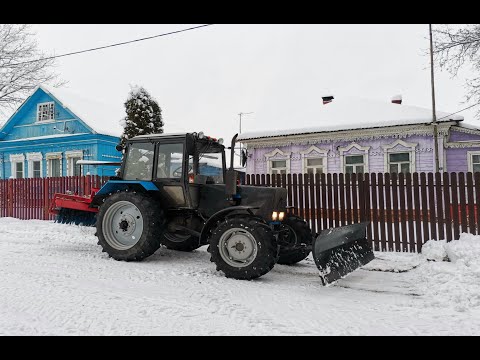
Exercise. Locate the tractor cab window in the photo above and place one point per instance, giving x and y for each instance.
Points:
(207, 162)
(170, 161)
(139, 164)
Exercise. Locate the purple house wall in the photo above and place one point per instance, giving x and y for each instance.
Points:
(405, 144)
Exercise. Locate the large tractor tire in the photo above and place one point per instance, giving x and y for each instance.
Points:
(180, 242)
(300, 234)
(243, 247)
(129, 226)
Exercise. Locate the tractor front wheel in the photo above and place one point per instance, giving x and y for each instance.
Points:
(129, 226)
(243, 247)
(298, 237)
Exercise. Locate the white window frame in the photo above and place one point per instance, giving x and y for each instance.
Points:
(392, 149)
(344, 151)
(51, 116)
(314, 152)
(70, 155)
(14, 160)
(54, 156)
(470, 159)
(277, 155)
(31, 158)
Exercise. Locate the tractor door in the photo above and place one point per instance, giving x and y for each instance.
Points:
(170, 173)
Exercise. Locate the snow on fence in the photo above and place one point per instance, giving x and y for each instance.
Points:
(30, 198)
(404, 210)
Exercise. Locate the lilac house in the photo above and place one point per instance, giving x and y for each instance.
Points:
(358, 135)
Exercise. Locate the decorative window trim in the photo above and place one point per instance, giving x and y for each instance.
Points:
(51, 112)
(31, 157)
(69, 155)
(409, 147)
(277, 154)
(470, 159)
(14, 159)
(322, 154)
(53, 156)
(346, 149)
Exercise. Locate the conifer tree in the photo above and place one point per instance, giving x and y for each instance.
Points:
(144, 115)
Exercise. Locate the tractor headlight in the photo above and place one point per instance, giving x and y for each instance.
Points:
(274, 216)
(201, 135)
(281, 215)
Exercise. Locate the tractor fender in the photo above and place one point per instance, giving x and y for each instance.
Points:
(114, 186)
(221, 215)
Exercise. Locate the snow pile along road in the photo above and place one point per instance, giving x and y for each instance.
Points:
(55, 280)
(455, 282)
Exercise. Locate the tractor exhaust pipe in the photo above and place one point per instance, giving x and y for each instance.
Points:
(231, 175)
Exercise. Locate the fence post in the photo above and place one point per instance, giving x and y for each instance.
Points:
(9, 198)
(45, 198)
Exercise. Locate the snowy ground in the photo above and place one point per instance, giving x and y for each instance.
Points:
(55, 280)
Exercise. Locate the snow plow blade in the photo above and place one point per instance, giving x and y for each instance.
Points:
(339, 251)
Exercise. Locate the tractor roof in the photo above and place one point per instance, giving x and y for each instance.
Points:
(158, 136)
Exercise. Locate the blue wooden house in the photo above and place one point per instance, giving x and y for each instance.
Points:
(46, 138)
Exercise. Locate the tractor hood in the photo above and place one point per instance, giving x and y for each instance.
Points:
(267, 199)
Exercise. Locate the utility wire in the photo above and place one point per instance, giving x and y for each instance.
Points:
(459, 111)
(111, 45)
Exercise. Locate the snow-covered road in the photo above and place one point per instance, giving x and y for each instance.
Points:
(55, 280)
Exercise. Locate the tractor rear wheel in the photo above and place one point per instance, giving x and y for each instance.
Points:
(299, 237)
(243, 247)
(129, 226)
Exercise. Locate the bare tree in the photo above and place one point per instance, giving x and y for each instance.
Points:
(22, 65)
(455, 48)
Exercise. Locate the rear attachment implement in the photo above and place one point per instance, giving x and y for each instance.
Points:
(74, 209)
(339, 251)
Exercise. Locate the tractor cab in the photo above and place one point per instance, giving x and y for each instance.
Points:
(177, 164)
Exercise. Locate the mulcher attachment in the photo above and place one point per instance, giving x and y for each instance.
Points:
(339, 251)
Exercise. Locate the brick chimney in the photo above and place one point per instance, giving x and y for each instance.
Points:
(397, 99)
(327, 99)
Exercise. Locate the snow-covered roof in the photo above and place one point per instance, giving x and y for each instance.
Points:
(345, 113)
(103, 118)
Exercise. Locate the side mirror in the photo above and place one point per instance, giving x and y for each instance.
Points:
(119, 147)
(244, 158)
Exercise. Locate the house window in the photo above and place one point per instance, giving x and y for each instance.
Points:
(36, 169)
(18, 167)
(354, 164)
(399, 163)
(19, 170)
(278, 167)
(34, 165)
(476, 163)
(314, 166)
(46, 111)
(54, 166)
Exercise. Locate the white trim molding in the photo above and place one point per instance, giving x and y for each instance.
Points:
(14, 159)
(344, 150)
(470, 159)
(277, 154)
(70, 155)
(314, 152)
(53, 156)
(31, 157)
(393, 149)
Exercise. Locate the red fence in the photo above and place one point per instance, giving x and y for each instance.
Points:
(404, 210)
(30, 198)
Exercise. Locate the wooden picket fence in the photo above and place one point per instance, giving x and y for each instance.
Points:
(30, 198)
(403, 210)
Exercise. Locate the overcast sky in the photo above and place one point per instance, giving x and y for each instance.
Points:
(203, 78)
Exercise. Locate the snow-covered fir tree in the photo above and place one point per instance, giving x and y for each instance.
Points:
(144, 115)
